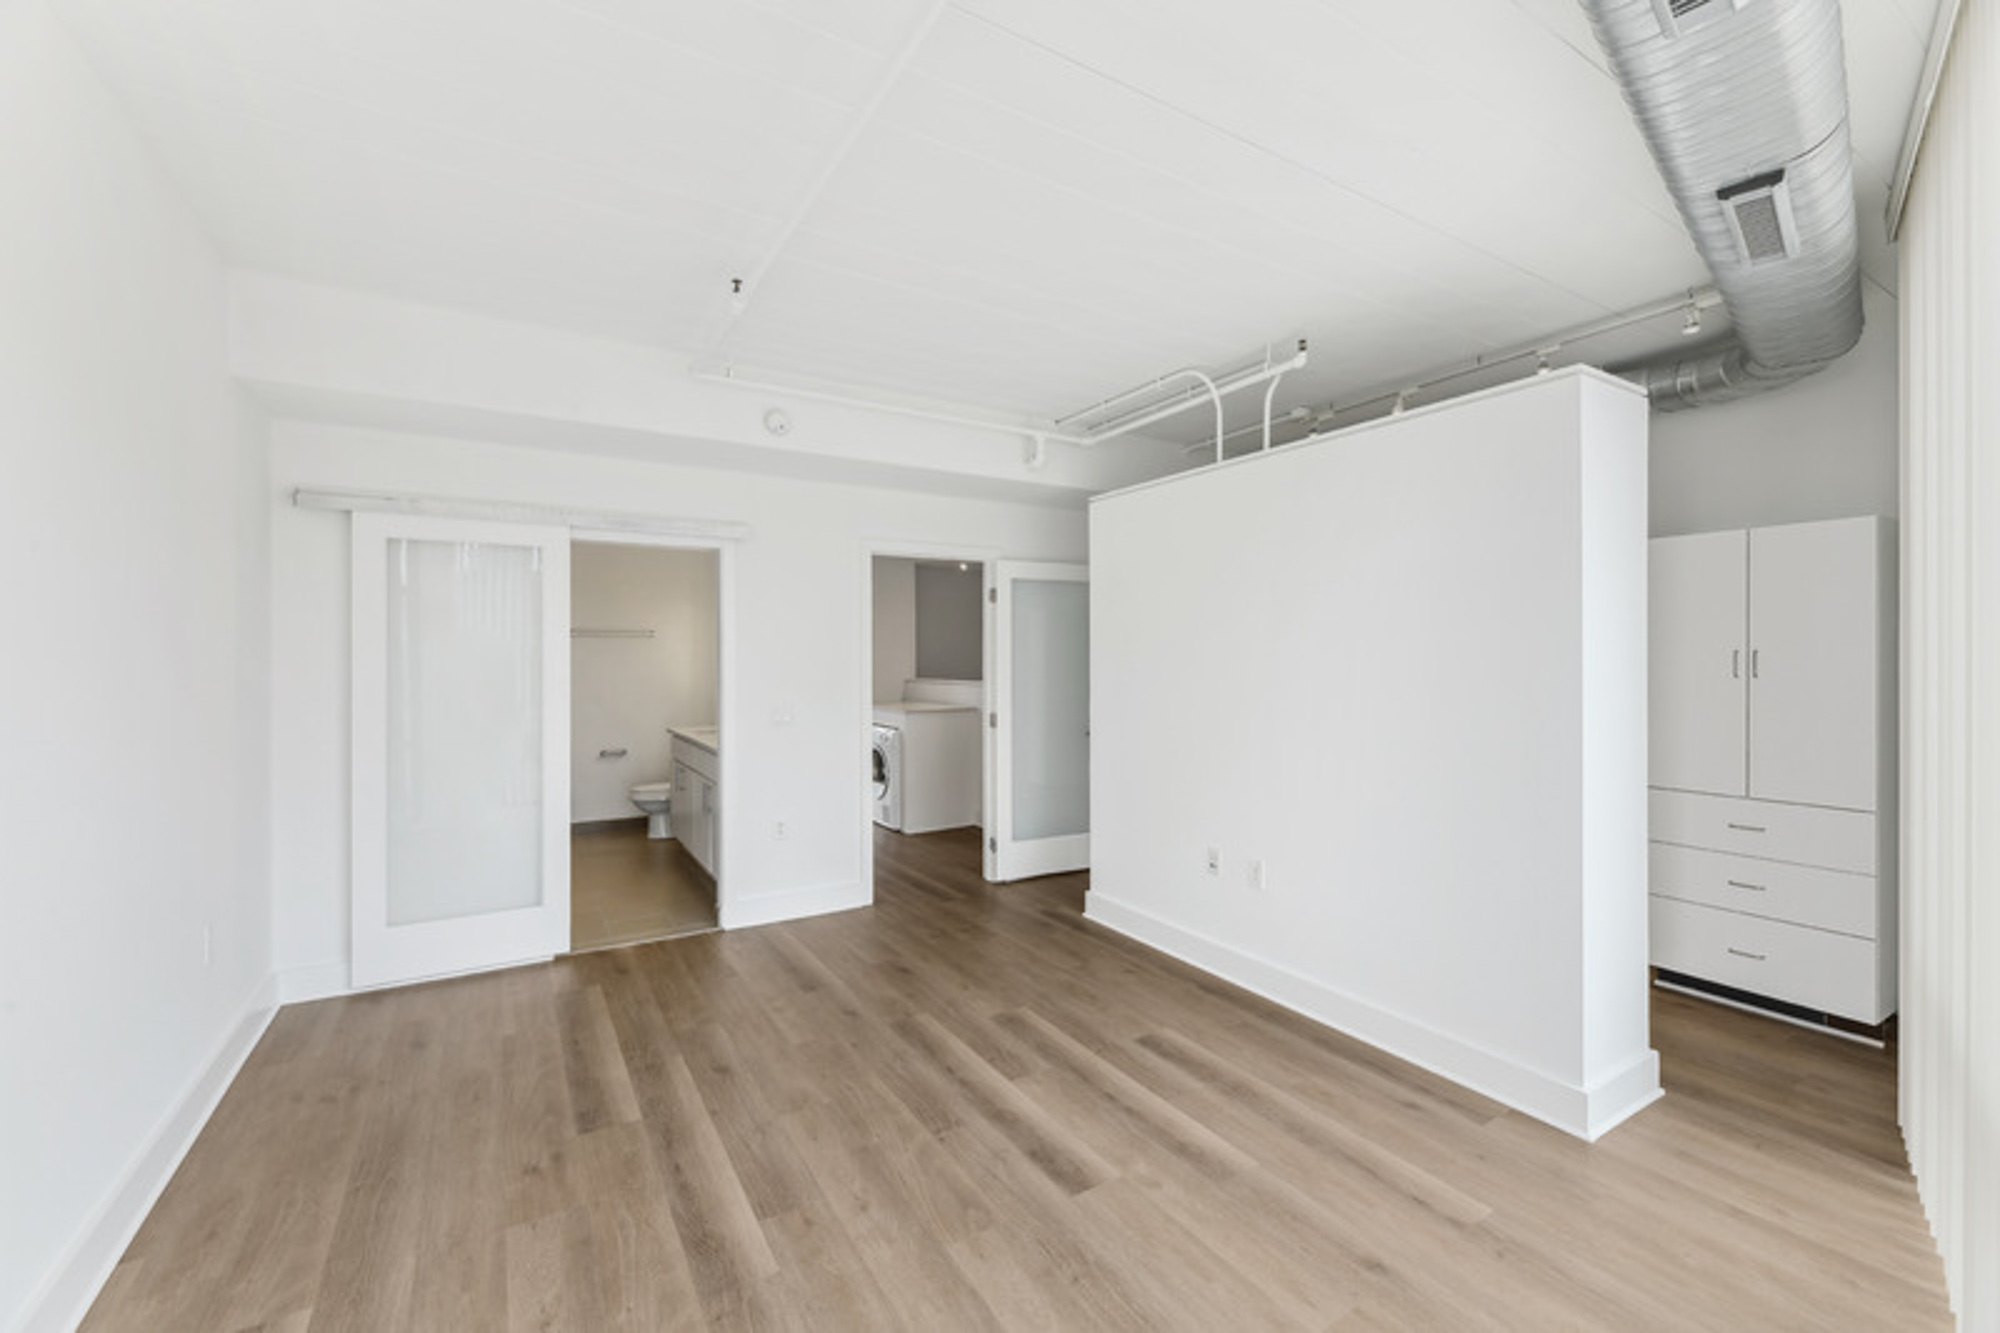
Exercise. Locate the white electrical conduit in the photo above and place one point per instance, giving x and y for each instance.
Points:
(1224, 385)
(1216, 391)
(728, 376)
(1703, 298)
(1270, 392)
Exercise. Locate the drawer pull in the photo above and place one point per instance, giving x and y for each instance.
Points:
(1741, 884)
(1746, 828)
(1745, 953)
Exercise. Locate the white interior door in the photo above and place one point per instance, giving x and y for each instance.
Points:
(1038, 719)
(461, 743)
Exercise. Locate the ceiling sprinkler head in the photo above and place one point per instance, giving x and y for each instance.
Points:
(738, 302)
(1691, 324)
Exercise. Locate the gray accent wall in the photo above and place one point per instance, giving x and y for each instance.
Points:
(949, 645)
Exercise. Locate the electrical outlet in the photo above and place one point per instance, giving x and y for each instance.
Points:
(1254, 876)
(1215, 860)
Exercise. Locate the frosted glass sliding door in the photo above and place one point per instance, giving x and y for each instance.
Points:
(1038, 821)
(460, 746)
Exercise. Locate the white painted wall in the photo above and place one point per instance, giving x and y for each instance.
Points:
(794, 721)
(894, 626)
(626, 692)
(950, 622)
(1402, 668)
(132, 776)
(1824, 447)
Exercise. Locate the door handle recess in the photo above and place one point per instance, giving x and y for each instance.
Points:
(1745, 953)
(1736, 664)
(1741, 884)
(1746, 828)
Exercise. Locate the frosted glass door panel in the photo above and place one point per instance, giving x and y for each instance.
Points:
(465, 729)
(1038, 724)
(461, 742)
(1051, 708)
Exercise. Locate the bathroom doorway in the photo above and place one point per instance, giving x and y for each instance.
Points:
(645, 701)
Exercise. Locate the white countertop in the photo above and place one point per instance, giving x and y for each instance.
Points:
(912, 706)
(706, 738)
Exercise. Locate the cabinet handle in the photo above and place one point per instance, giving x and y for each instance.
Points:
(1740, 884)
(1746, 828)
(1745, 953)
(1736, 664)
(618, 753)
(1753, 662)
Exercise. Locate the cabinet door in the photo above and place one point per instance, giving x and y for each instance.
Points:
(1813, 663)
(1696, 661)
(708, 822)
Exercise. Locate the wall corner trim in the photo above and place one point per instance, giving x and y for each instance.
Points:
(69, 1288)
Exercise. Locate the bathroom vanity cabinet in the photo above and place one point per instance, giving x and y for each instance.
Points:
(697, 790)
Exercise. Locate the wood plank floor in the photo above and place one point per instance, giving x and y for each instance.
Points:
(967, 1108)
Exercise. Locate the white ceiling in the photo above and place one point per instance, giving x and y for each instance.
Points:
(1019, 206)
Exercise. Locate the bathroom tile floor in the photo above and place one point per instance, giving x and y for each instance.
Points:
(625, 888)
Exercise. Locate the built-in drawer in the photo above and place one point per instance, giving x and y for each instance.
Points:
(1808, 895)
(1815, 968)
(1809, 834)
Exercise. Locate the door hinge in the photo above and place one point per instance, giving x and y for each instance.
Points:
(993, 595)
(992, 844)
(993, 722)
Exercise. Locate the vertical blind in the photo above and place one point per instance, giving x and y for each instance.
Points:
(1950, 311)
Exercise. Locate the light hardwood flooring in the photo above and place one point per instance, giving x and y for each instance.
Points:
(968, 1108)
(625, 887)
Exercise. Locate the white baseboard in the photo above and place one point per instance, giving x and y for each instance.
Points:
(1585, 1112)
(791, 904)
(72, 1284)
(313, 981)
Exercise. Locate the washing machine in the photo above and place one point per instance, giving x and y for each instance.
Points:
(888, 776)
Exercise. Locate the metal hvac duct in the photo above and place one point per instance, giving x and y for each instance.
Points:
(1744, 106)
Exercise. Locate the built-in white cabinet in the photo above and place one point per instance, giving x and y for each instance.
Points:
(697, 781)
(1772, 762)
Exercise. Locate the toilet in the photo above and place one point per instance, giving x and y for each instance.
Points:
(655, 798)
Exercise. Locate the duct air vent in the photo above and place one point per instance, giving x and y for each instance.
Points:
(1759, 210)
(1681, 16)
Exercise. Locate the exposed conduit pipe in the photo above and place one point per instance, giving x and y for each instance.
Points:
(1223, 388)
(1270, 391)
(729, 376)
(1745, 113)
(1216, 390)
